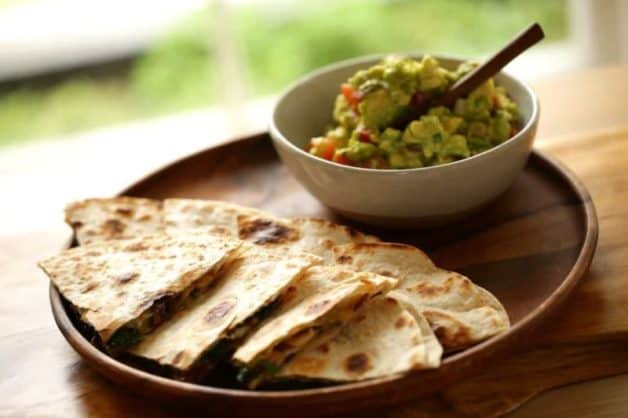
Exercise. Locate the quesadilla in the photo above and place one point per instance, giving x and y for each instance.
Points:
(389, 336)
(123, 289)
(96, 220)
(324, 298)
(195, 338)
(185, 214)
(316, 236)
(460, 312)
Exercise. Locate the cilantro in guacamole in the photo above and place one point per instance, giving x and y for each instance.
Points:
(373, 101)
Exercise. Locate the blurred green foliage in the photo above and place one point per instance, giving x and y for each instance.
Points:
(277, 44)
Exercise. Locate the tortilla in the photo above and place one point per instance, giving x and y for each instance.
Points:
(232, 306)
(184, 214)
(324, 298)
(125, 288)
(389, 336)
(316, 236)
(96, 220)
(460, 312)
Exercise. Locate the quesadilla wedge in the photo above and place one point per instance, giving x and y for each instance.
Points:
(316, 236)
(388, 336)
(194, 339)
(460, 312)
(123, 289)
(185, 214)
(95, 220)
(325, 297)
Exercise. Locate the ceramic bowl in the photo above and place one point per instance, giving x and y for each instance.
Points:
(419, 197)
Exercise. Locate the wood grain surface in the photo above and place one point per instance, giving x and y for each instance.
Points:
(41, 376)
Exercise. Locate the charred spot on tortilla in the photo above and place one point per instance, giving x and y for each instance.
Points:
(265, 231)
(401, 322)
(220, 311)
(178, 357)
(323, 348)
(125, 211)
(113, 227)
(452, 337)
(136, 246)
(90, 286)
(317, 307)
(127, 277)
(357, 363)
(360, 302)
(344, 259)
(429, 289)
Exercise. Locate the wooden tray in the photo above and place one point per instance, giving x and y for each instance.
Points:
(530, 248)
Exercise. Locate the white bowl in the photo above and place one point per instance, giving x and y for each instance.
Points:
(424, 196)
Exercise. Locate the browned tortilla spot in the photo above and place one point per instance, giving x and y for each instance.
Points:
(385, 273)
(93, 253)
(177, 357)
(144, 218)
(429, 289)
(137, 246)
(265, 231)
(127, 277)
(360, 302)
(317, 307)
(453, 336)
(401, 322)
(125, 211)
(90, 286)
(357, 363)
(344, 259)
(323, 348)
(113, 227)
(218, 312)
(77, 224)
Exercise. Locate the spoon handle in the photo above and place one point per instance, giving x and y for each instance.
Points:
(492, 66)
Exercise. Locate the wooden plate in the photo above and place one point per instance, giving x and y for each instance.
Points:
(529, 247)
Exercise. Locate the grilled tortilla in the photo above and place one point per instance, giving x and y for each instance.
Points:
(127, 217)
(185, 214)
(460, 312)
(96, 220)
(315, 236)
(195, 338)
(389, 336)
(324, 298)
(125, 288)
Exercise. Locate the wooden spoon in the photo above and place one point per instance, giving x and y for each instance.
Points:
(530, 36)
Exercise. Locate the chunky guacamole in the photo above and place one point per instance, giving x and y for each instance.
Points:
(371, 104)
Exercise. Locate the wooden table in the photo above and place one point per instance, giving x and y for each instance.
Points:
(41, 376)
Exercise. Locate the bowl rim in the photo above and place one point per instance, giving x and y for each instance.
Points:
(277, 135)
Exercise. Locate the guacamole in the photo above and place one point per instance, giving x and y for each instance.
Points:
(373, 101)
